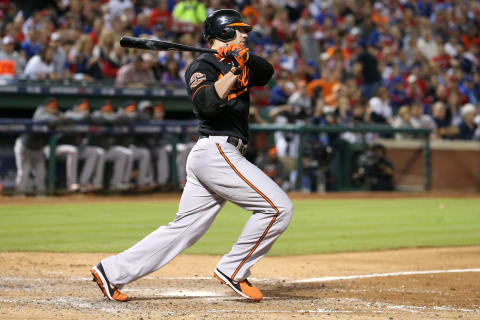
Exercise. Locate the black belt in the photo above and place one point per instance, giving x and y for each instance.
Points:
(236, 142)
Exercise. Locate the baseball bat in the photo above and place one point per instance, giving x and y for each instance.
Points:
(159, 45)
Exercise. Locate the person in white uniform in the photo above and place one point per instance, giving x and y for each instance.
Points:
(29, 156)
(217, 171)
(91, 176)
(120, 156)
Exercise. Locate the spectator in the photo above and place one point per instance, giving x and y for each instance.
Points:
(288, 57)
(469, 91)
(84, 64)
(60, 58)
(402, 120)
(13, 63)
(398, 95)
(32, 22)
(116, 58)
(160, 15)
(300, 101)
(171, 77)
(190, 11)
(281, 91)
(142, 26)
(419, 120)
(32, 45)
(379, 107)
(16, 31)
(136, 74)
(468, 129)
(160, 32)
(97, 29)
(369, 69)
(41, 66)
(105, 45)
(330, 84)
(427, 45)
(413, 90)
(443, 126)
(285, 142)
(119, 7)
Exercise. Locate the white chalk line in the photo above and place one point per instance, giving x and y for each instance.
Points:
(321, 279)
(380, 275)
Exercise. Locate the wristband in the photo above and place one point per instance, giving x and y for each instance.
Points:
(237, 71)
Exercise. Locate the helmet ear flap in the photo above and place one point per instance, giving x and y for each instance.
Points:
(227, 34)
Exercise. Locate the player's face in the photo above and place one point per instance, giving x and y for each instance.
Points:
(240, 37)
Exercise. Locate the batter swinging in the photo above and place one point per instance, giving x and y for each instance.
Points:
(217, 170)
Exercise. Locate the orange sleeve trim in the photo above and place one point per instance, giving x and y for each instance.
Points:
(195, 93)
(236, 94)
(264, 197)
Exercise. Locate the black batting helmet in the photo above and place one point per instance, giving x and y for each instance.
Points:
(221, 25)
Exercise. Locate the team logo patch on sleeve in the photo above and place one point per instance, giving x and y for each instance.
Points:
(196, 79)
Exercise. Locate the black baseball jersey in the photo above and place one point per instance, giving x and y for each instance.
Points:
(229, 116)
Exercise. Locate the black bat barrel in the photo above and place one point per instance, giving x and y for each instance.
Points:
(159, 45)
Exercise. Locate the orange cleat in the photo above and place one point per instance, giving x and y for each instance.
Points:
(110, 291)
(243, 288)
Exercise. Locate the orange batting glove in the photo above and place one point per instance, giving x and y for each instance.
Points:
(223, 51)
(239, 57)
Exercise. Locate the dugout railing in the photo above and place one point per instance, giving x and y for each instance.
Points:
(177, 128)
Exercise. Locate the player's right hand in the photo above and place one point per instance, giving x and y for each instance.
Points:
(239, 57)
(223, 51)
(236, 53)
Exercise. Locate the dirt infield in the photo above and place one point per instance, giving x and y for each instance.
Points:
(399, 284)
(440, 283)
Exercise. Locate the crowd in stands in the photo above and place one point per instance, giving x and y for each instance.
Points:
(400, 63)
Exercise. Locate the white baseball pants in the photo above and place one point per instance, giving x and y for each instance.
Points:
(145, 170)
(163, 164)
(122, 159)
(70, 153)
(29, 161)
(93, 167)
(216, 172)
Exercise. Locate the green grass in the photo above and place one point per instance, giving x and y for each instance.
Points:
(317, 227)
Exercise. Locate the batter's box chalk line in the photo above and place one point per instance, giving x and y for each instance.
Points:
(321, 279)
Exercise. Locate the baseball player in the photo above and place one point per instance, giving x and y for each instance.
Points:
(28, 149)
(163, 148)
(140, 153)
(68, 145)
(157, 143)
(119, 155)
(91, 176)
(217, 171)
